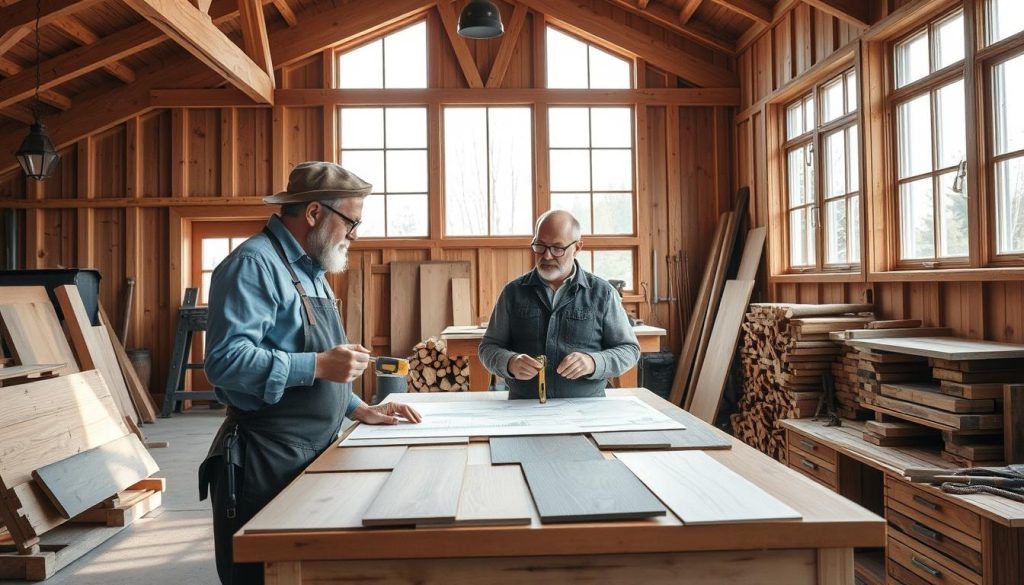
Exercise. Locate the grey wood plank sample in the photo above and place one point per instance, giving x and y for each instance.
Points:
(506, 450)
(493, 495)
(632, 440)
(423, 489)
(320, 501)
(358, 459)
(587, 491)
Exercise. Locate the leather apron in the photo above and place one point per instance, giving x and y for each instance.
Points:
(256, 454)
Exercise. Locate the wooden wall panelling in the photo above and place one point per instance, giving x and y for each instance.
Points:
(59, 238)
(643, 261)
(202, 145)
(133, 158)
(107, 159)
(63, 184)
(156, 155)
(110, 253)
(179, 152)
(656, 170)
(302, 138)
(228, 155)
(253, 147)
(134, 236)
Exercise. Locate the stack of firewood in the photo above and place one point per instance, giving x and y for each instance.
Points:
(431, 370)
(786, 349)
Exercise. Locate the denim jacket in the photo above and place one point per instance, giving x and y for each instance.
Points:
(589, 318)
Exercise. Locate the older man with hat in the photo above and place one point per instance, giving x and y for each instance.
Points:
(277, 354)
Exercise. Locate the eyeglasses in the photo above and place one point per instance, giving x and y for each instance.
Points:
(353, 223)
(556, 251)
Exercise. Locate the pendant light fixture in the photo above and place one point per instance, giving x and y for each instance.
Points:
(480, 19)
(37, 156)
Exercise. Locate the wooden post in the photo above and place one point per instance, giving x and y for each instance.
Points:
(1013, 423)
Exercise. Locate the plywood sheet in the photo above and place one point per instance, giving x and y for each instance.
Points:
(358, 459)
(721, 350)
(436, 295)
(587, 491)
(34, 335)
(423, 489)
(506, 450)
(405, 307)
(493, 495)
(462, 302)
(320, 501)
(139, 394)
(752, 249)
(700, 490)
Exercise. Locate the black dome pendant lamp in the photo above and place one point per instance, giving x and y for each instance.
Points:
(480, 19)
(37, 156)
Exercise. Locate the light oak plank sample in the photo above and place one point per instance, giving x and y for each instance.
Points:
(462, 302)
(423, 489)
(929, 395)
(586, 491)
(721, 348)
(81, 481)
(320, 501)
(700, 490)
(13, 372)
(34, 335)
(436, 295)
(493, 495)
(506, 450)
(349, 442)
(357, 459)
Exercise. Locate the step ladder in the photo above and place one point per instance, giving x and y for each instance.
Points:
(190, 319)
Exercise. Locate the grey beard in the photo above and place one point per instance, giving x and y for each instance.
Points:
(332, 256)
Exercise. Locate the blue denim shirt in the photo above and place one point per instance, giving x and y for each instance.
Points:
(588, 318)
(254, 335)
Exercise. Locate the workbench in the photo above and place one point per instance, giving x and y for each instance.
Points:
(819, 548)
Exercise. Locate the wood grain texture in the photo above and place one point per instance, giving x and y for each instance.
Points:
(694, 436)
(34, 335)
(721, 349)
(423, 489)
(1013, 423)
(947, 348)
(701, 490)
(507, 450)
(140, 395)
(462, 302)
(753, 246)
(436, 295)
(929, 395)
(83, 480)
(494, 495)
(14, 372)
(357, 459)
(588, 491)
(405, 309)
(347, 442)
(320, 501)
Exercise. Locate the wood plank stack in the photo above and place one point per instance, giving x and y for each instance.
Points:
(786, 349)
(431, 370)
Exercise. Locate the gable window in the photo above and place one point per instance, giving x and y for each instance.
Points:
(396, 60)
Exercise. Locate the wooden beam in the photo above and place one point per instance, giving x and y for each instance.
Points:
(254, 35)
(854, 12)
(23, 14)
(752, 9)
(194, 32)
(18, 113)
(286, 12)
(689, 7)
(47, 96)
(12, 36)
(577, 17)
(666, 17)
(642, 4)
(462, 53)
(201, 5)
(77, 31)
(508, 46)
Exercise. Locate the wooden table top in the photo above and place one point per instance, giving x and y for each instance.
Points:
(829, 520)
(470, 332)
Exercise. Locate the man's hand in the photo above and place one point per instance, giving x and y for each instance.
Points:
(342, 363)
(576, 365)
(523, 367)
(386, 414)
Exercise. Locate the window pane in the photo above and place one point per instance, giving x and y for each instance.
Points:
(613, 213)
(608, 71)
(917, 219)
(406, 127)
(836, 232)
(373, 217)
(1008, 94)
(832, 101)
(613, 170)
(236, 242)
(835, 164)
(851, 91)
(853, 152)
(1005, 18)
(795, 120)
(854, 231)
(569, 127)
(465, 164)
(215, 250)
(796, 172)
(915, 136)
(405, 57)
(809, 114)
(801, 238)
(586, 260)
(612, 127)
(566, 61)
(362, 127)
(511, 164)
(204, 288)
(577, 204)
(912, 59)
(614, 265)
(368, 165)
(362, 67)
(953, 218)
(406, 171)
(949, 101)
(570, 170)
(1010, 205)
(949, 41)
(407, 215)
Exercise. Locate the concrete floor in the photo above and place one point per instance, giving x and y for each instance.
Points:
(173, 545)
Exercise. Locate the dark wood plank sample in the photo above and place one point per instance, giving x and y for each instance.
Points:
(507, 450)
(587, 491)
(423, 489)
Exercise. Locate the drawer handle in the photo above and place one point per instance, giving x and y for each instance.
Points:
(925, 531)
(808, 445)
(926, 503)
(809, 464)
(921, 565)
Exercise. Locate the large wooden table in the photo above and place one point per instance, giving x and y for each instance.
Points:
(466, 342)
(816, 549)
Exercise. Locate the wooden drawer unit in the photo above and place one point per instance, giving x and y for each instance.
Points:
(949, 541)
(933, 506)
(795, 440)
(926, 563)
(814, 468)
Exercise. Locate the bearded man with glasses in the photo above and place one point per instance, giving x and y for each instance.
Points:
(562, 312)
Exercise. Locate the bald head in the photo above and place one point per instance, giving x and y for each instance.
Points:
(557, 224)
(558, 233)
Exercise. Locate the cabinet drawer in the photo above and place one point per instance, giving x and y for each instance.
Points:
(942, 538)
(811, 446)
(814, 468)
(927, 563)
(934, 506)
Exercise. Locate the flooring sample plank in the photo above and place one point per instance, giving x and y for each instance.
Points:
(436, 295)
(929, 395)
(897, 429)
(588, 491)
(507, 450)
(357, 459)
(947, 348)
(990, 391)
(700, 490)
(493, 496)
(753, 246)
(350, 442)
(405, 307)
(695, 436)
(632, 440)
(320, 501)
(81, 481)
(725, 335)
(934, 418)
(34, 335)
(423, 489)
(13, 372)
(462, 302)
(990, 377)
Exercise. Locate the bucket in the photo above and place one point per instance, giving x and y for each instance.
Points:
(142, 361)
(389, 384)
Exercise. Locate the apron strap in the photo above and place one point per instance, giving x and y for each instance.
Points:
(306, 304)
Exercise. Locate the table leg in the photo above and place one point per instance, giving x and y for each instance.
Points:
(282, 573)
(479, 377)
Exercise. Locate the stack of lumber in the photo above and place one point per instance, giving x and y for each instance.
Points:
(431, 370)
(786, 349)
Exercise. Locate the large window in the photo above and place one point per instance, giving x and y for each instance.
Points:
(823, 208)
(397, 60)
